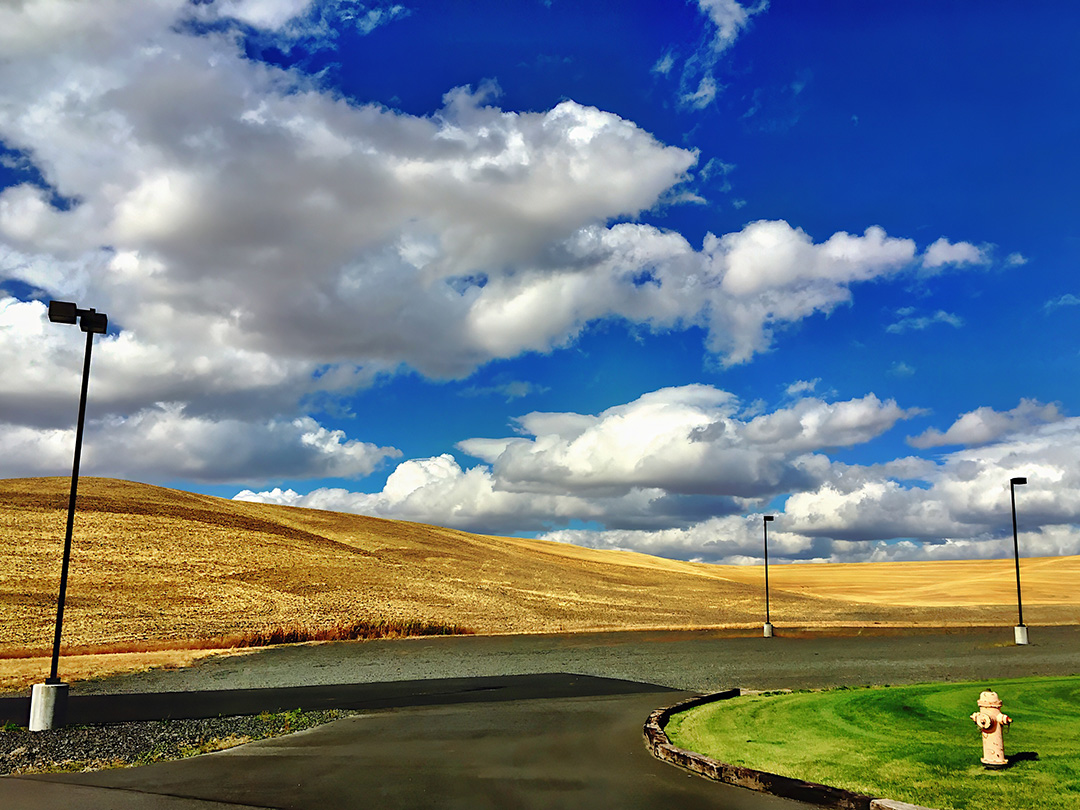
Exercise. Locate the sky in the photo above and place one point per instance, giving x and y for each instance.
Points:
(628, 275)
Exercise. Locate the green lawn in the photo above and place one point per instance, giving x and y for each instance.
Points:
(912, 743)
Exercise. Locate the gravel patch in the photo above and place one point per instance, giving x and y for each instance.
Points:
(700, 661)
(121, 745)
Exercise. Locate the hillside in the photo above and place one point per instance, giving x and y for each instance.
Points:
(150, 564)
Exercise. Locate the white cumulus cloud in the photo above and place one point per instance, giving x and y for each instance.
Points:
(257, 239)
(943, 252)
(162, 443)
(909, 509)
(671, 457)
(984, 425)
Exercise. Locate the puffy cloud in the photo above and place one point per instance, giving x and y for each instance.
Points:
(943, 252)
(202, 365)
(437, 490)
(163, 442)
(34, 27)
(908, 509)
(774, 255)
(672, 472)
(742, 285)
(812, 424)
(802, 387)
(686, 441)
(673, 457)
(268, 14)
(771, 273)
(965, 496)
(471, 234)
(397, 221)
(257, 240)
(985, 425)
(726, 541)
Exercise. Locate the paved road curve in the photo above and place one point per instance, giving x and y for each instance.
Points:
(584, 752)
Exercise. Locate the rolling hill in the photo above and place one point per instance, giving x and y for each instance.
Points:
(150, 563)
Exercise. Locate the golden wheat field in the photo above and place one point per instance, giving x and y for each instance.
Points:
(151, 565)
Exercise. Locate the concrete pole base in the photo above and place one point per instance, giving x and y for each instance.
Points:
(768, 630)
(48, 705)
(1020, 633)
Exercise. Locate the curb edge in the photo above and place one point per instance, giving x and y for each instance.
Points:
(823, 795)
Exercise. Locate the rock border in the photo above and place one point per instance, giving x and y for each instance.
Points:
(661, 747)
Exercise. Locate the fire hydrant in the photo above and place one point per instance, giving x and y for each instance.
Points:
(992, 721)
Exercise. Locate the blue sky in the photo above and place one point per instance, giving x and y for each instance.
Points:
(626, 275)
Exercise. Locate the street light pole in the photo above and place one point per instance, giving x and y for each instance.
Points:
(48, 700)
(1020, 632)
(71, 511)
(768, 622)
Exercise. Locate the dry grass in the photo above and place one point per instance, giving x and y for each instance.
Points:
(153, 567)
(267, 637)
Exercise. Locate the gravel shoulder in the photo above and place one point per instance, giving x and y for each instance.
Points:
(700, 661)
(120, 745)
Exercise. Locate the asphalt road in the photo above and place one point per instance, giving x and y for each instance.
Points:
(555, 751)
(584, 752)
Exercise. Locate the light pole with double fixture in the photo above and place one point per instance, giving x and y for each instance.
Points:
(1020, 632)
(48, 701)
(768, 623)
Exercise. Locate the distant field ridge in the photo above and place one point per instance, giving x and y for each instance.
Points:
(151, 564)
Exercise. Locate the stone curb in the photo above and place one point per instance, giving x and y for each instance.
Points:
(811, 792)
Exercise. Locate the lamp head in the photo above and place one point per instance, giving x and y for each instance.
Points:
(62, 311)
(1015, 481)
(96, 322)
(768, 518)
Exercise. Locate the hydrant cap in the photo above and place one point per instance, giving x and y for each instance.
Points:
(990, 700)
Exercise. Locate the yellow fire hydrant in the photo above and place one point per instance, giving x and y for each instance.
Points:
(992, 721)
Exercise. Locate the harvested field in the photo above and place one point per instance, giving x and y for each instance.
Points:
(153, 566)
(1046, 581)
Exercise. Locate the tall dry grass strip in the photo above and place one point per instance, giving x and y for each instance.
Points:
(359, 630)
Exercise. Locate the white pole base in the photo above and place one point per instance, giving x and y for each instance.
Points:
(1020, 633)
(768, 630)
(48, 705)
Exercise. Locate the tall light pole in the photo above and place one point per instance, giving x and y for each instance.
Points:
(48, 700)
(1020, 632)
(768, 624)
